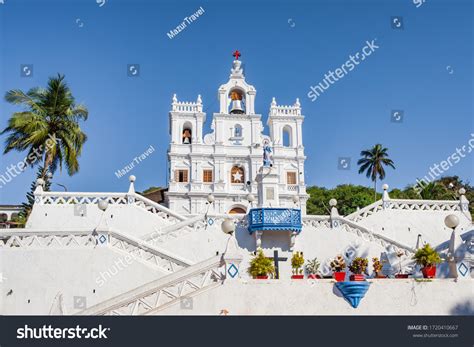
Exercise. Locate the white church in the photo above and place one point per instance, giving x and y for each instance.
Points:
(228, 162)
(233, 193)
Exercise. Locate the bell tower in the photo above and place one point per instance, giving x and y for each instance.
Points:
(236, 96)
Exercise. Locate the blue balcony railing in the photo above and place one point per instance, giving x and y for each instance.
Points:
(288, 219)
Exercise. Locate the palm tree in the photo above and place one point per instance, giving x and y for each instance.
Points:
(372, 163)
(48, 128)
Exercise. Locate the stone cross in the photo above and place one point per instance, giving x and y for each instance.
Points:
(276, 261)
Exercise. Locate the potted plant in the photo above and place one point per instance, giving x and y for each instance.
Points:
(312, 268)
(400, 274)
(428, 258)
(261, 266)
(337, 266)
(358, 267)
(297, 262)
(377, 266)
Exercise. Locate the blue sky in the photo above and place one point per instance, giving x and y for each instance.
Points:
(426, 70)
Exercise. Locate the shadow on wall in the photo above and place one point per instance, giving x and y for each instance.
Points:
(244, 239)
(465, 308)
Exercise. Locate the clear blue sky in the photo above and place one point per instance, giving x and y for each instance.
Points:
(286, 46)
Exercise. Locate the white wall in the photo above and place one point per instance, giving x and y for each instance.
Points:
(320, 297)
(131, 219)
(39, 275)
(404, 225)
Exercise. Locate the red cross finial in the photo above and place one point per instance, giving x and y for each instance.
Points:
(237, 54)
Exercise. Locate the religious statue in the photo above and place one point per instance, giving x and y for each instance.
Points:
(267, 154)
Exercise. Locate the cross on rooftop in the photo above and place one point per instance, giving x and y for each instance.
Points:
(237, 54)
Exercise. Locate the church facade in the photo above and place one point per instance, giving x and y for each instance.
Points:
(237, 164)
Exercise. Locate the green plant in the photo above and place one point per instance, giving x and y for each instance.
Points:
(297, 262)
(312, 266)
(377, 264)
(427, 256)
(338, 264)
(261, 265)
(359, 265)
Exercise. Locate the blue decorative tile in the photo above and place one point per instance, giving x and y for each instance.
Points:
(462, 268)
(102, 239)
(232, 271)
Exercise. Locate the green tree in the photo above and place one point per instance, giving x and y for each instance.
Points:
(372, 163)
(48, 127)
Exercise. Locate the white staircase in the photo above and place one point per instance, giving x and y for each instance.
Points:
(118, 241)
(164, 292)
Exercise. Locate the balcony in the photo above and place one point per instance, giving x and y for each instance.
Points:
(285, 219)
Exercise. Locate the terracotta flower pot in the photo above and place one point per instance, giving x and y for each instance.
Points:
(339, 276)
(297, 277)
(313, 276)
(429, 271)
(265, 277)
(380, 276)
(401, 276)
(357, 277)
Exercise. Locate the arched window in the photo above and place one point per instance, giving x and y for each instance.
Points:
(286, 136)
(237, 175)
(237, 130)
(3, 217)
(187, 133)
(237, 210)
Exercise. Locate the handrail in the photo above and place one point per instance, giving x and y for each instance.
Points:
(150, 248)
(364, 209)
(378, 205)
(170, 228)
(81, 194)
(112, 233)
(152, 287)
(158, 206)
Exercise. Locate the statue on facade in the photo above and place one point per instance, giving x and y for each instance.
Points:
(267, 154)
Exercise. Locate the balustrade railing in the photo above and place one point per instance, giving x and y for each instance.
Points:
(274, 219)
(405, 204)
(164, 292)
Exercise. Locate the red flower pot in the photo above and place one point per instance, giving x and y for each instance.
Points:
(313, 276)
(429, 271)
(401, 276)
(262, 277)
(380, 276)
(357, 277)
(297, 277)
(339, 276)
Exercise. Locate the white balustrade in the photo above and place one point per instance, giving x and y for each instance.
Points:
(164, 292)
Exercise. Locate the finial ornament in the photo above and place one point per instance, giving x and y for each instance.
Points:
(236, 54)
(274, 101)
(175, 99)
(199, 100)
(297, 103)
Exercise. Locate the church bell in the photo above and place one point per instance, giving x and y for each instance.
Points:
(236, 107)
